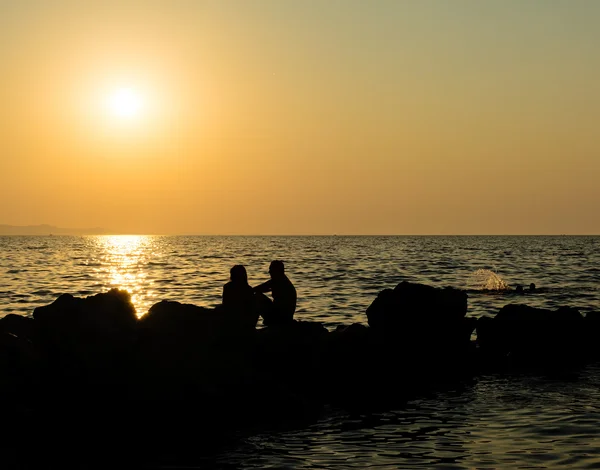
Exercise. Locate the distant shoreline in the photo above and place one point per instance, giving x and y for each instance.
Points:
(44, 229)
(51, 230)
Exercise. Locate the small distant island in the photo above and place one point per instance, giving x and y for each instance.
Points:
(45, 229)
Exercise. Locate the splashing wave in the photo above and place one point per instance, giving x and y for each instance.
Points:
(484, 279)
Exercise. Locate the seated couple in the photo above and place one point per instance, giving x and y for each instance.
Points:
(244, 304)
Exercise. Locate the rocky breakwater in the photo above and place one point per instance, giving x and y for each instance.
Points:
(183, 376)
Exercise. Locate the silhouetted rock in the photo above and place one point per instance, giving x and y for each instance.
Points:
(291, 354)
(19, 368)
(420, 339)
(351, 360)
(175, 356)
(182, 364)
(533, 335)
(174, 321)
(19, 325)
(86, 342)
(225, 375)
(19, 357)
(420, 314)
(391, 306)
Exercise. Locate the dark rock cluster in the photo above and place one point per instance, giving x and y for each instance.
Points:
(90, 364)
(520, 336)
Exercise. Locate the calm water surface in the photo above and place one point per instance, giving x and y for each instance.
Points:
(491, 422)
(336, 277)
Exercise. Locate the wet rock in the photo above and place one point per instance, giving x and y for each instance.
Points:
(291, 354)
(185, 365)
(86, 342)
(413, 315)
(352, 361)
(19, 358)
(175, 354)
(530, 334)
(19, 369)
(169, 317)
(410, 302)
(19, 325)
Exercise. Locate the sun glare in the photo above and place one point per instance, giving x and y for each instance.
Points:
(122, 264)
(125, 103)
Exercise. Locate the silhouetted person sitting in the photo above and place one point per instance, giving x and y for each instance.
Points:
(238, 299)
(281, 310)
(531, 287)
(519, 289)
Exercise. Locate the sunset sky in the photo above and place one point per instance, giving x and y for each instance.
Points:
(301, 117)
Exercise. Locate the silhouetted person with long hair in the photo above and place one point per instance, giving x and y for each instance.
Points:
(238, 299)
(281, 310)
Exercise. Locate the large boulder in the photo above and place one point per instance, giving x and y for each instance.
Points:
(178, 353)
(291, 353)
(87, 339)
(19, 369)
(174, 321)
(289, 368)
(19, 357)
(528, 333)
(352, 360)
(191, 357)
(413, 314)
(19, 325)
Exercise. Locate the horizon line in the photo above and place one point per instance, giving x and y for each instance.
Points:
(184, 234)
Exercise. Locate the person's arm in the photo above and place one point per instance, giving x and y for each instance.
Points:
(264, 287)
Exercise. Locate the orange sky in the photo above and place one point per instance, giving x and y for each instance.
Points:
(302, 117)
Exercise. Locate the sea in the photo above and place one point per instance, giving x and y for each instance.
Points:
(491, 421)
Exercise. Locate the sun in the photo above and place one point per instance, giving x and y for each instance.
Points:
(125, 103)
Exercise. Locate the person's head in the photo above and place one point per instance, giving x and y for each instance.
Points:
(532, 286)
(276, 268)
(238, 274)
(519, 288)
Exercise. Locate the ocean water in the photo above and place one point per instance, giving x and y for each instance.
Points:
(490, 422)
(336, 277)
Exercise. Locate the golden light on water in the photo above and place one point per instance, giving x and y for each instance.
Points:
(124, 260)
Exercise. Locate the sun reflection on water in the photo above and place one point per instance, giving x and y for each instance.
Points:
(124, 260)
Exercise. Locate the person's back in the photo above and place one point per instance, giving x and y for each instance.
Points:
(284, 296)
(237, 296)
(238, 299)
(282, 309)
